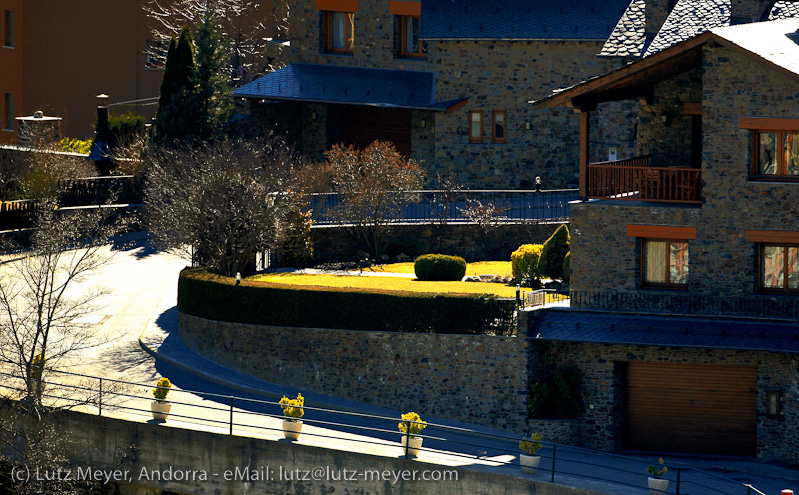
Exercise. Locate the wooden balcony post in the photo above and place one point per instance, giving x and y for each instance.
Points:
(585, 128)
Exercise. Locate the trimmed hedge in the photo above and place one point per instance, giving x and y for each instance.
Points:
(555, 248)
(210, 296)
(439, 267)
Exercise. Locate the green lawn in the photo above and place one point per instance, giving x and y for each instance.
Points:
(389, 283)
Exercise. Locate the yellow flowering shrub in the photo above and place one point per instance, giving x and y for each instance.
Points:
(292, 408)
(415, 427)
(161, 389)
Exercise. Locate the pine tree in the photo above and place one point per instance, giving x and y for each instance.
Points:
(214, 96)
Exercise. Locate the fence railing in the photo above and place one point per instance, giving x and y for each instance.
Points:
(462, 206)
(88, 191)
(758, 305)
(635, 180)
(232, 414)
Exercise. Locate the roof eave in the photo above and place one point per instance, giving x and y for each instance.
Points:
(337, 102)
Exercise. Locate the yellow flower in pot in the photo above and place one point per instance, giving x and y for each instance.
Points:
(410, 427)
(292, 412)
(160, 407)
(529, 461)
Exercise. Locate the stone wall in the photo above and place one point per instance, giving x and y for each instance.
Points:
(340, 244)
(600, 426)
(722, 262)
(471, 378)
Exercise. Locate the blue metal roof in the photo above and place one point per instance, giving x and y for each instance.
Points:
(347, 85)
(520, 19)
(666, 330)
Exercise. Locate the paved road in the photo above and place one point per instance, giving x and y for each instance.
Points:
(141, 306)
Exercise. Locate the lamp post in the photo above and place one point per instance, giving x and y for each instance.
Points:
(538, 196)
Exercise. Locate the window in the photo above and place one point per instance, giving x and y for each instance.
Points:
(8, 38)
(409, 43)
(779, 268)
(776, 154)
(476, 126)
(339, 32)
(156, 54)
(500, 126)
(8, 123)
(664, 263)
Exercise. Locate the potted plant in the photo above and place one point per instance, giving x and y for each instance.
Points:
(160, 407)
(292, 411)
(410, 427)
(657, 485)
(529, 461)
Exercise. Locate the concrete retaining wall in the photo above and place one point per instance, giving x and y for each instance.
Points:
(187, 454)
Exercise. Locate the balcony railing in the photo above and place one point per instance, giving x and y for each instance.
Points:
(635, 180)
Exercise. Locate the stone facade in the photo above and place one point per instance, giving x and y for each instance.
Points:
(475, 379)
(492, 74)
(721, 260)
(599, 427)
(505, 75)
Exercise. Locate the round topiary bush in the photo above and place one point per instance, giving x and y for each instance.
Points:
(439, 267)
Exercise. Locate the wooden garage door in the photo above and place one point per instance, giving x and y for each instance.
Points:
(362, 125)
(704, 409)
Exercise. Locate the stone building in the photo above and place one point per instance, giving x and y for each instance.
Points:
(685, 258)
(447, 81)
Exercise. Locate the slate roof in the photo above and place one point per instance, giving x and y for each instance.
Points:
(347, 85)
(520, 19)
(666, 330)
(628, 38)
(687, 19)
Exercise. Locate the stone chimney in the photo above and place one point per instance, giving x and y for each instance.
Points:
(748, 11)
(656, 13)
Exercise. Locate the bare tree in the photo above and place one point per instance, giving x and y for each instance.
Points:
(376, 183)
(223, 201)
(242, 24)
(42, 304)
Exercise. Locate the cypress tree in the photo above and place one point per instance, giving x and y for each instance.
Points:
(551, 262)
(175, 116)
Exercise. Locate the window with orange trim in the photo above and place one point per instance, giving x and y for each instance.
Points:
(779, 267)
(409, 43)
(500, 132)
(776, 155)
(339, 32)
(476, 126)
(664, 263)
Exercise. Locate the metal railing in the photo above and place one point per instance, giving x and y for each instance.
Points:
(560, 463)
(756, 305)
(443, 206)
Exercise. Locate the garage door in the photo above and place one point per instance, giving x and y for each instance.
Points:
(362, 125)
(704, 409)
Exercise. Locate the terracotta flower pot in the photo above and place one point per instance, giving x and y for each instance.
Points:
(291, 429)
(529, 463)
(658, 486)
(414, 444)
(160, 410)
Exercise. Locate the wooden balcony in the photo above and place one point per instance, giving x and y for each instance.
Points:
(634, 180)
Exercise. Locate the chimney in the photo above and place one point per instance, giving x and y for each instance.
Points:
(101, 154)
(655, 13)
(748, 11)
